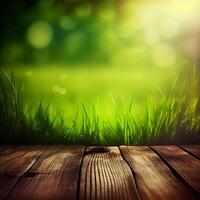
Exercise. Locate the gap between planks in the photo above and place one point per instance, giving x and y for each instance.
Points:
(106, 175)
(54, 175)
(125, 172)
(185, 166)
(154, 179)
(14, 164)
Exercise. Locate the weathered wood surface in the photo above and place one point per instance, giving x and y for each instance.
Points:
(192, 149)
(77, 172)
(6, 148)
(53, 176)
(105, 175)
(153, 177)
(14, 164)
(184, 164)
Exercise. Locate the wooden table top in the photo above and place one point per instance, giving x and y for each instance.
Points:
(99, 172)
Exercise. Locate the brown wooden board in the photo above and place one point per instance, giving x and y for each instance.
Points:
(192, 149)
(70, 172)
(6, 148)
(185, 165)
(106, 175)
(154, 179)
(54, 176)
(14, 164)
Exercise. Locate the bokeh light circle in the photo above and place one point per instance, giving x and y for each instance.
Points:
(67, 23)
(40, 34)
(170, 28)
(164, 55)
(152, 36)
(83, 10)
(106, 13)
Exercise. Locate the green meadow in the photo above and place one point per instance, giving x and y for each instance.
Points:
(67, 88)
(100, 72)
(42, 110)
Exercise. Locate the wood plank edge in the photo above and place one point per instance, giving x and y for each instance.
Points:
(188, 151)
(79, 175)
(176, 173)
(132, 170)
(25, 172)
(8, 150)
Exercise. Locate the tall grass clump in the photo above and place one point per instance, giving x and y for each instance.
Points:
(19, 123)
(174, 120)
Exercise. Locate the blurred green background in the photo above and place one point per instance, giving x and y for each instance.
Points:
(69, 52)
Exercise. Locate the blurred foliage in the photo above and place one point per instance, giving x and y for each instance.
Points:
(136, 47)
(97, 31)
(53, 30)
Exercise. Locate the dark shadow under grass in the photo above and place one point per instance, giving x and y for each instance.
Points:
(176, 120)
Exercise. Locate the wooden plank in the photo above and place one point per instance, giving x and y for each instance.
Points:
(192, 149)
(5, 148)
(54, 175)
(106, 175)
(14, 164)
(185, 165)
(154, 179)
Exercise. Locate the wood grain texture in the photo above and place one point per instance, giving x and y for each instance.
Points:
(154, 179)
(192, 149)
(53, 176)
(70, 172)
(14, 164)
(6, 148)
(105, 175)
(187, 166)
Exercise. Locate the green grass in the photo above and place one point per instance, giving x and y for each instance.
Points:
(66, 87)
(174, 119)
